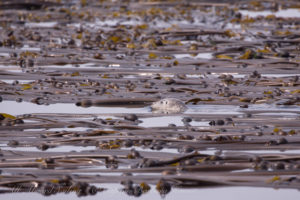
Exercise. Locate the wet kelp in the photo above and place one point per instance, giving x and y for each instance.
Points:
(234, 67)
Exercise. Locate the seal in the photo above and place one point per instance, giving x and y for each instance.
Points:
(168, 105)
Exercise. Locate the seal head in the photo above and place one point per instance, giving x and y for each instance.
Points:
(168, 105)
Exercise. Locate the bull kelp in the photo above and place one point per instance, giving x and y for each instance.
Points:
(78, 79)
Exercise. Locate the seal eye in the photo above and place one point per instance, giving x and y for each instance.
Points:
(161, 102)
(166, 102)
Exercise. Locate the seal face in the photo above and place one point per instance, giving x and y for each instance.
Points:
(168, 105)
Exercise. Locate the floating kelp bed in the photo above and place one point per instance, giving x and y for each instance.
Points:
(78, 79)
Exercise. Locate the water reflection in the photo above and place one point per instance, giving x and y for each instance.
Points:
(15, 108)
(41, 24)
(281, 13)
(166, 120)
(199, 55)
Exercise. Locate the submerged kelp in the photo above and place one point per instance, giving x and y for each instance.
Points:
(78, 79)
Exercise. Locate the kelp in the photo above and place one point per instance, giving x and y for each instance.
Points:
(237, 75)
